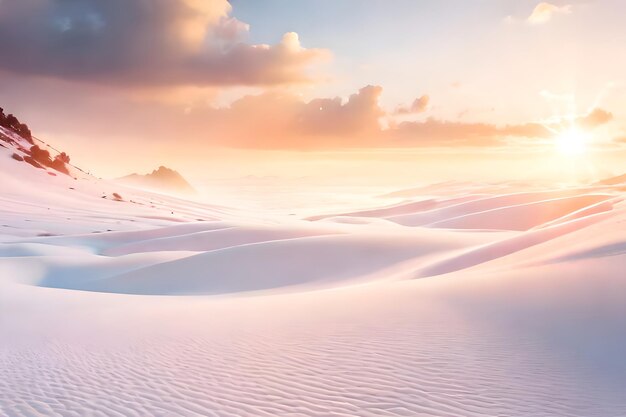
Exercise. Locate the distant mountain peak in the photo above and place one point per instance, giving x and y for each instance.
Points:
(164, 171)
(162, 178)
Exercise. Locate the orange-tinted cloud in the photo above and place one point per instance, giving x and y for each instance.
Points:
(596, 117)
(283, 121)
(135, 42)
(279, 121)
(434, 132)
(419, 105)
(271, 120)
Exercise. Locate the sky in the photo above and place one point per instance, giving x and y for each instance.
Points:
(350, 89)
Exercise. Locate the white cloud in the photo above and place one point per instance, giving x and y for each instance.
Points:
(544, 12)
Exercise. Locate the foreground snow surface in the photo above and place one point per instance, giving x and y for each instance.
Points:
(473, 301)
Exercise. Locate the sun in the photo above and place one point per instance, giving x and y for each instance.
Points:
(572, 141)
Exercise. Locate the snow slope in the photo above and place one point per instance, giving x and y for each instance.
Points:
(467, 301)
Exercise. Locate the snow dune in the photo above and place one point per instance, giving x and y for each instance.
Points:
(507, 246)
(208, 240)
(316, 262)
(403, 208)
(464, 300)
(215, 258)
(525, 216)
(503, 203)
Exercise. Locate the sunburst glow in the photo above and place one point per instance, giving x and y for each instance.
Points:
(572, 142)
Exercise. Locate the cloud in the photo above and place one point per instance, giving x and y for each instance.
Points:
(435, 132)
(146, 43)
(595, 118)
(442, 133)
(543, 12)
(358, 115)
(277, 120)
(274, 120)
(620, 139)
(419, 105)
(282, 121)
